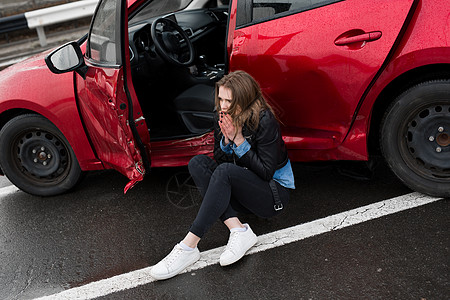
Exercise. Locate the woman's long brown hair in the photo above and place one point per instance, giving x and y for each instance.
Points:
(247, 100)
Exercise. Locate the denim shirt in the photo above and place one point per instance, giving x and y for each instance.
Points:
(283, 176)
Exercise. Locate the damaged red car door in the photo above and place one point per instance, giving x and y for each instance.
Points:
(107, 101)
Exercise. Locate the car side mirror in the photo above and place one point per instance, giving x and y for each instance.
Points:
(67, 58)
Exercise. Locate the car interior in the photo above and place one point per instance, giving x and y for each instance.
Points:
(176, 60)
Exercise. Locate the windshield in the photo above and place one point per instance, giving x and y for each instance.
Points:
(159, 8)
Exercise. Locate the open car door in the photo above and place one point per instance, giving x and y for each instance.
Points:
(106, 98)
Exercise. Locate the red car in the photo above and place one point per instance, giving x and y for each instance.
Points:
(349, 80)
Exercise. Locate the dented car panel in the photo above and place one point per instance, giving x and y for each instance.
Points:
(111, 136)
(178, 152)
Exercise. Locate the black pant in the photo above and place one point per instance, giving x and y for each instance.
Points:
(227, 189)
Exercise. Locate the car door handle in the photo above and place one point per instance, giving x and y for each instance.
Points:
(365, 37)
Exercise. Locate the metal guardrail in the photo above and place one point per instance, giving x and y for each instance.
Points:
(40, 18)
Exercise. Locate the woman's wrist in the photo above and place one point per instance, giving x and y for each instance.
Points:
(239, 140)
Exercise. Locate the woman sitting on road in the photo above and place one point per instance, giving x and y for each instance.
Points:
(250, 173)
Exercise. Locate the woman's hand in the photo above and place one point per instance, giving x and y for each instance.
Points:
(230, 132)
(226, 126)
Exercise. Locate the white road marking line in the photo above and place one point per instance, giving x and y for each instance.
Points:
(5, 191)
(267, 241)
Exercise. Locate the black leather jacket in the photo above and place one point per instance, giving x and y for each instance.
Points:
(267, 153)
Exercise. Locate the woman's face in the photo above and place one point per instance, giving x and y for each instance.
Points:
(225, 98)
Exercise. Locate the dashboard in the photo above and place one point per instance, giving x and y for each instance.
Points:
(197, 24)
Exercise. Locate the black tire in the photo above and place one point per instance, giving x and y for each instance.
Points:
(36, 157)
(415, 137)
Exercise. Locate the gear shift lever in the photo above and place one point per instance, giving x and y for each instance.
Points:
(206, 70)
(203, 65)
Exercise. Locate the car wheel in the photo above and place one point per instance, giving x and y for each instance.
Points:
(415, 137)
(36, 157)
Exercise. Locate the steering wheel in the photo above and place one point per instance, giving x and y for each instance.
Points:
(171, 41)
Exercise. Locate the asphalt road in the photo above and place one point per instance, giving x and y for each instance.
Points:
(48, 245)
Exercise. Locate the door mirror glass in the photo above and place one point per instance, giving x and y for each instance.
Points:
(65, 59)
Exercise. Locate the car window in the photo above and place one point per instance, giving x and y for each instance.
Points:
(252, 11)
(158, 8)
(104, 41)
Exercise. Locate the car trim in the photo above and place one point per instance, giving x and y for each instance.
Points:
(96, 63)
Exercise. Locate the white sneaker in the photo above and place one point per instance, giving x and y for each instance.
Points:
(238, 244)
(177, 260)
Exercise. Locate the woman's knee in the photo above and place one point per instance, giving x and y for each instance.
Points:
(223, 171)
(199, 162)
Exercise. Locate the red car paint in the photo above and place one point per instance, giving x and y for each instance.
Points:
(323, 70)
(23, 86)
(315, 84)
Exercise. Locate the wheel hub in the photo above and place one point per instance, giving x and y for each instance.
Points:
(428, 140)
(443, 139)
(41, 154)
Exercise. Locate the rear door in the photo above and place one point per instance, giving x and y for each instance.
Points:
(314, 59)
(107, 101)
